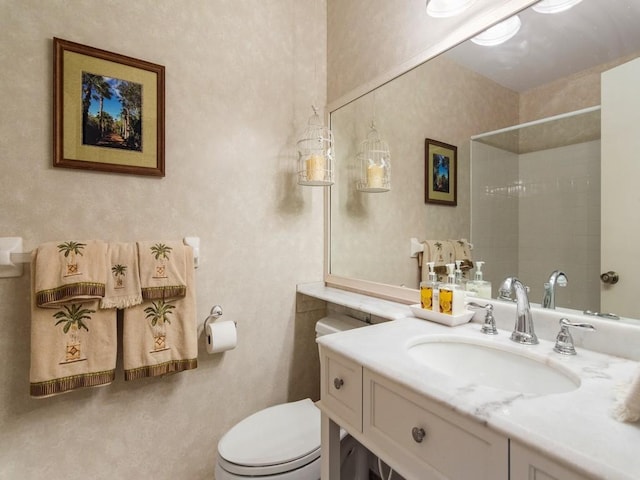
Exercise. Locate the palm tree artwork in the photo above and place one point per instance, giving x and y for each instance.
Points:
(158, 313)
(161, 252)
(111, 112)
(71, 250)
(73, 317)
(119, 272)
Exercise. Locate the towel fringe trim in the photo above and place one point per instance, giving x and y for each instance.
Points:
(157, 293)
(64, 384)
(70, 292)
(121, 302)
(166, 368)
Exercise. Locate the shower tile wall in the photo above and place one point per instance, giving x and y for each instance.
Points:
(548, 204)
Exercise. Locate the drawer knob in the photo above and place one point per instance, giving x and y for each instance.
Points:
(338, 383)
(418, 434)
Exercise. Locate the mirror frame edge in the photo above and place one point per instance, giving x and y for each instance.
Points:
(463, 32)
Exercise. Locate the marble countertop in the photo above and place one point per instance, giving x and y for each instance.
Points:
(574, 427)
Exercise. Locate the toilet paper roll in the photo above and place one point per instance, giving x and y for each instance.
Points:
(221, 336)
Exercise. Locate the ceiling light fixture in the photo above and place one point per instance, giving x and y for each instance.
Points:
(447, 8)
(554, 6)
(499, 33)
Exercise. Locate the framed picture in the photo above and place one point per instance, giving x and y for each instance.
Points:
(108, 111)
(441, 173)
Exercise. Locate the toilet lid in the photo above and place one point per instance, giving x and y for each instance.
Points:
(275, 435)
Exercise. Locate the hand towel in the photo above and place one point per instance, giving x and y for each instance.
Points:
(70, 270)
(159, 335)
(627, 408)
(462, 252)
(73, 345)
(440, 252)
(122, 288)
(162, 269)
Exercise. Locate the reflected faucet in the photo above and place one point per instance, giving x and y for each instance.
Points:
(523, 331)
(559, 278)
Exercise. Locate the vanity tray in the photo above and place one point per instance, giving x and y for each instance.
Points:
(450, 320)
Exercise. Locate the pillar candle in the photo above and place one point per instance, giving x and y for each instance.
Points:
(375, 176)
(316, 165)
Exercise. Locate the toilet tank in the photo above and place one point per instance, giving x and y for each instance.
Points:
(337, 322)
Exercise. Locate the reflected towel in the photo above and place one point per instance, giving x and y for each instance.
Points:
(123, 279)
(70, 271)
(462, 252)
(160, 335)
(627, 408)
(73, 345)
(440, 252)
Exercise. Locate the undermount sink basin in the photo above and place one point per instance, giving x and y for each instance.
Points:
(493, 365)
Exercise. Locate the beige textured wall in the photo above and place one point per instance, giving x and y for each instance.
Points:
(241, 76)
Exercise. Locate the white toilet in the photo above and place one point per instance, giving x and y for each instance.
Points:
(283, 442)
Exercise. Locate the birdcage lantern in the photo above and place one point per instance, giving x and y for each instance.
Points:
(375, 164)
(315, 153)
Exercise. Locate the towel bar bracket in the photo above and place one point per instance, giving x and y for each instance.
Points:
(12, 257)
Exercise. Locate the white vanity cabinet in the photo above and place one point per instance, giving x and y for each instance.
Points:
(527, 464)
(426, 440)
(341, 389)
(419, 438)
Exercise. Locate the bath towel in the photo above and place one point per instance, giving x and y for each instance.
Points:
(159, 335)
(627, 408)
(162, 269)
(122, 288)
(70, 270)
(73, 344)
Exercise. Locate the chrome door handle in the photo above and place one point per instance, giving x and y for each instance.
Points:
(609, 277)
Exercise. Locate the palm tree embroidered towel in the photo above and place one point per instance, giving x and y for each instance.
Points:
(162, 269)
(73, 344)
(160, 335)
(70, 270)
(122, 288)
(462, 253)
(627, 408)
(440, 252)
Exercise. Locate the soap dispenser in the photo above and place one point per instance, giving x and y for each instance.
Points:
(478, 285)
(429, 298)
(451, 295)
(460, 280)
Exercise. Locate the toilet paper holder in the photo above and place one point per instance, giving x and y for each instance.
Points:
(214, 314)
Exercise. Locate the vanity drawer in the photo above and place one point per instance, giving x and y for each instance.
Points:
(341, 388)
(426, 440)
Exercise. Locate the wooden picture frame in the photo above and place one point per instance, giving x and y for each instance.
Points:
(108, 111)
(440, 173)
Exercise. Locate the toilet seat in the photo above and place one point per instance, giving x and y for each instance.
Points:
(275, 440)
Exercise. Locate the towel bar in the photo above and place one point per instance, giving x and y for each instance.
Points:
(12, 257)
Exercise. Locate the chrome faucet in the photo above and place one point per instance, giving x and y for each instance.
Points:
(523, 331)
(558, 278)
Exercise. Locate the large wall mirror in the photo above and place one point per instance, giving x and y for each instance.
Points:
(525, 117)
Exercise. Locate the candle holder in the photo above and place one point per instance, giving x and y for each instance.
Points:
(315, 153)
(375, 164)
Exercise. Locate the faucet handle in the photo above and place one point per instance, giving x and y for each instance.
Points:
(489, 327)
(564, 340)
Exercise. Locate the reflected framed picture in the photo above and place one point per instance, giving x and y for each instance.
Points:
(108, 111)
(441, 173)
